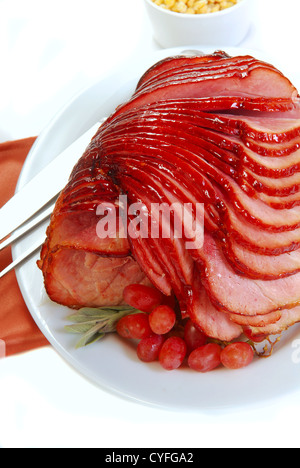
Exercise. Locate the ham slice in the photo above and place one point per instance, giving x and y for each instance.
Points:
(253, 210)
(224, 286)
(175, 64)
(80, 269)
(212, 130)
(258, 266)
(230, 160)
(246, 82)
(220, 278)
(212, 321)
(245, 68)
(288, 318)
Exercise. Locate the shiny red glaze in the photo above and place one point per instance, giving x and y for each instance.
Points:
(211, 160)
(254, 77)
(258, 215)
(173, 63)
(236, 124)
(198, 69)
(226, 148)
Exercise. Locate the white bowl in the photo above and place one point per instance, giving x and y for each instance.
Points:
(225, 27)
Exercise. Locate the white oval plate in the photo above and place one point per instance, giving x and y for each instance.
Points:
(111, 363)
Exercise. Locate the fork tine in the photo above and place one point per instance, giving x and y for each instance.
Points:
(27, 227)
(37, 245)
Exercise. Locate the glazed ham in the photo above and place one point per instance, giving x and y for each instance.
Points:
(214, 131)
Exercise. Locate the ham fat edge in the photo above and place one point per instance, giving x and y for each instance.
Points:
(217, 131)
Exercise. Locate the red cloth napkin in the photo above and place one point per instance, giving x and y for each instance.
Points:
(18, 331)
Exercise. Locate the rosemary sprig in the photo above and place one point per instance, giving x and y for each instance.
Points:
(94, 324)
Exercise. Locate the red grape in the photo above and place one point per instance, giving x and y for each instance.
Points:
(237, 355)
(172, 353)
(162, 319)
(149, 348)
(134, 326)
(142, 297)
(193, 337)
(206, 358)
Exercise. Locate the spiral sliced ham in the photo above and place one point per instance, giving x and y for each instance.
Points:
(212, 130)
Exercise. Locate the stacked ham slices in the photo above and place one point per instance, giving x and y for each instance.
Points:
(215, 130)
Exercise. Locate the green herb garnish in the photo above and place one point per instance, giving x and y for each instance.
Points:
(94, 324)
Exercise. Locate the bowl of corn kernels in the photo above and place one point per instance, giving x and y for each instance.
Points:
(207, 22)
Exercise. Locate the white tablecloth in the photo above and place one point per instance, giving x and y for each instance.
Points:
(49, 51)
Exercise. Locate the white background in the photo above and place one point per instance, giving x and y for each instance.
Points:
(49, 51)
